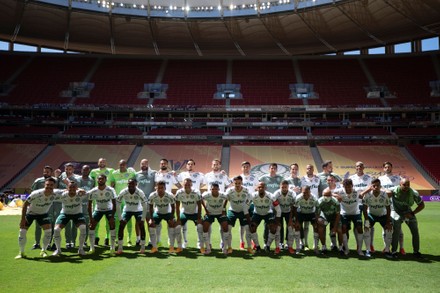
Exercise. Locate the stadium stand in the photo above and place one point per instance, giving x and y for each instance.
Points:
(407, 78)
(45, 77)
(428, 157)
(118, 81)
(18, 157)
(338, 82)
(264, 82)
(193, 82)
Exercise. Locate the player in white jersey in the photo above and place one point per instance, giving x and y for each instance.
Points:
(350, 213)
(266, 208)
(362, 181)
(377, 208)
(188, 207)
(311, 180)
(239, 199)
(389, 181)
(214, 203)
(198, 180)
(170, 179)
(250, 182)
(217, 175)
(71, 210)
(105, 205)
(166, 176)
(305, 205)
(286, 199)
(162, 207)
(36, 207)
(102, 169)
(65, 178)
(136, 206)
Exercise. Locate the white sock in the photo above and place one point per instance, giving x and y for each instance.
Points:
(153, 237)
(199, 234)
(345, 241)
(247, 232)
(278, 236)
(298, 240)
(171, 236)
(158, 232)
(254, 237)
(92, 239)
(290, 236)
(112, 239)
(22, 239)
(270, 239)
(367, 240)
(315, 240)
(178, 235)
(57, 238)
(46, 238)
(82, 236)
(306, 233)
(204, 239)
(185, 232)
(388, 239)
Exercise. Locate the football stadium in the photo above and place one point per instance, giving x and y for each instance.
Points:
(224, 102)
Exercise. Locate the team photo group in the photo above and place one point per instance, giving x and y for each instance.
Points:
(286, 207)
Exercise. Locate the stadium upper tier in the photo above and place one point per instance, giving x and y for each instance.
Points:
(218, 28)
(364, 81)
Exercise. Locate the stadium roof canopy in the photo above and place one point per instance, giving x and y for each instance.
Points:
(217, 28)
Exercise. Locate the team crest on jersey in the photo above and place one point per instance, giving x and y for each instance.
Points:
(263, 169)
(381, 200)
(107, 194)
(136, 197)
(365, 178)
(126, 175)
(51, 198)
(107, 172)
(266, 201)
(77, 199)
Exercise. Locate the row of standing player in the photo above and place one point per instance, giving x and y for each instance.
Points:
(272, 181)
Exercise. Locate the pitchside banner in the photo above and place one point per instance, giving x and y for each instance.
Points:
(431, 198)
